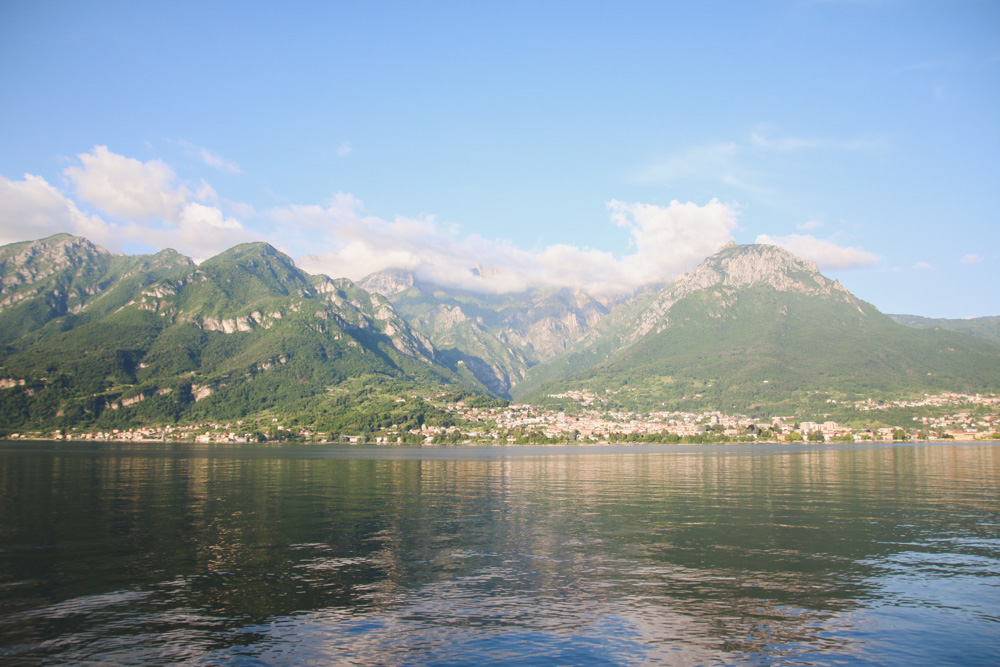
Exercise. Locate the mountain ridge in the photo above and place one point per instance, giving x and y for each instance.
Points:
(248, 332)
(242, 333)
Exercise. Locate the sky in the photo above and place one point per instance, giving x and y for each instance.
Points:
(595, 145)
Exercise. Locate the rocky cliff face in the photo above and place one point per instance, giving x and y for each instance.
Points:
(356, 306)
(739, 266)
(63, 264)
(498, 337)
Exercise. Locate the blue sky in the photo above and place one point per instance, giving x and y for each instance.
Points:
(562, 143)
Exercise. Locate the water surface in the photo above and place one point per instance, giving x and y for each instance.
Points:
(205, 554)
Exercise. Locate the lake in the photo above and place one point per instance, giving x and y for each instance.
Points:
(617, 555)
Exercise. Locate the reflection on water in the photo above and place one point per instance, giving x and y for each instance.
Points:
(697, 555)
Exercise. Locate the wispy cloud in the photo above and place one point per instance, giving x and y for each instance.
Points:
(719, 160)
(760, 140)
(786, 144)
(809, 225)
(211, 159)
(922, 266)
(746, 164)
(972, 258)
(344, 149)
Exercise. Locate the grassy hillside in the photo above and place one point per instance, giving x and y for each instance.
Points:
(758, 349)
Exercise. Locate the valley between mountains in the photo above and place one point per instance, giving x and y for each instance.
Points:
(94, 340)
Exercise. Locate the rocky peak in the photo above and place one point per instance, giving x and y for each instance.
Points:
(388, 282)
(747, 265)
(32, 261)
(740, 266)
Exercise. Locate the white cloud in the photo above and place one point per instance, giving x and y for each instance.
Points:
(972, 258)
(199, 231)
(826, 254)
(667, 241)
(344, 149)
(206, 193)
(809, 225)
(149, 206)
(206, 217)
(922, 266)
(672, 239)
(126, 188)
(361, 244)
(33, 209)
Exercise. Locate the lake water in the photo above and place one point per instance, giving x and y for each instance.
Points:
(202, 554)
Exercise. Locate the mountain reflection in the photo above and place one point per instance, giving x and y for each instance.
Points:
(584, 556)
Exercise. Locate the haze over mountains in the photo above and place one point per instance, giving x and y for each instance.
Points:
(86, 333)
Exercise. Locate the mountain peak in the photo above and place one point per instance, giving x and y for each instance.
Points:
(738, 267)
(250, 251)
(29, 262)
(761, 264)
(63, 247)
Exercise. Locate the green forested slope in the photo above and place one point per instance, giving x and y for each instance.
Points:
(770, 339)
(243, 334)
(66, 281)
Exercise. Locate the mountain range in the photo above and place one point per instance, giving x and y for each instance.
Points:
(88, 337)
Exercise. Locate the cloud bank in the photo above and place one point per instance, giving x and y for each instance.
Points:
(666, 241)
(116, 200)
